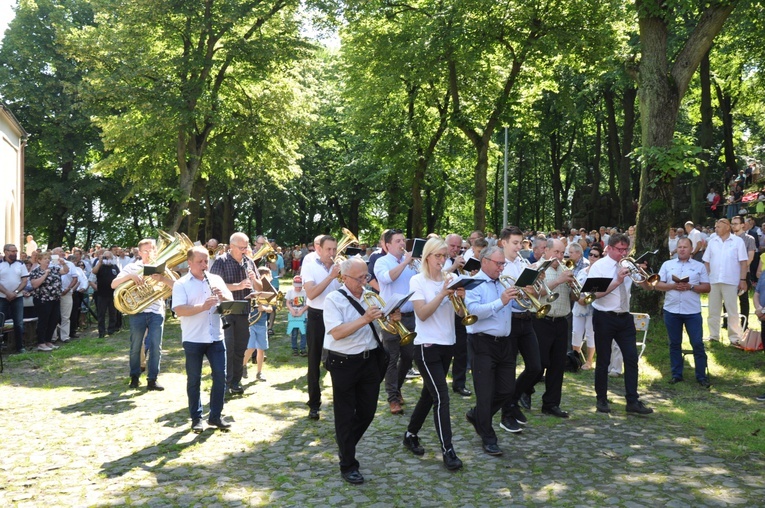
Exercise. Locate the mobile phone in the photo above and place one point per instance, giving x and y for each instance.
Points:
(54, 257)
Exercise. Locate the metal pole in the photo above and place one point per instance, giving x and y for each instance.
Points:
(504, 212)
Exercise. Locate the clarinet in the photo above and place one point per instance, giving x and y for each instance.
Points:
(223, 318)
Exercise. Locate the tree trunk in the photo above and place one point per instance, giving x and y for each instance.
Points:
(725, 102)
(480, 187)
(706, 140)
(417, 212)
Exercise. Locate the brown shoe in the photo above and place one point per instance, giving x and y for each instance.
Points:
(395, 408)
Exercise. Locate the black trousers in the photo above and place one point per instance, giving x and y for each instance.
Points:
(523, 340)
(236, 336)
(315, 342)
(621, 328)
(74, 317)
(461, 358)
(48, 314)
(355, 388)
(493, 380)
(400, 359)
(105, 306)
(553, 344)
(433, 363)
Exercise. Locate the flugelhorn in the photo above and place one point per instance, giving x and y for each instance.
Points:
(576, 287)
(637, 274)
(525, 300)
(459, 304)
(541, 286)
(394, 327)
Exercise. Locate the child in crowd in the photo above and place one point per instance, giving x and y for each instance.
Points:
(259, 333)
(297, 319)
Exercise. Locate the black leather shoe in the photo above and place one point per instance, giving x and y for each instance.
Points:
(602, 406)
(451, 461)
(134, 382)
(463, 391)
(525, 401)
(413, 444)
(516, 413)
(639, 408)
(313, 414)
(197, 426)
(492, 449)
(154, 386)
(675, 380)
(555, 411)
(220, 423)
(353, 477)
(705, 383)
(470, 416)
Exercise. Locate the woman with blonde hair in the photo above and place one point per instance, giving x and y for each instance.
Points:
(434, 317)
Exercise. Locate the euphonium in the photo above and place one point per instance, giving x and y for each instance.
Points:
(576, 287)
(130, 298)
(394, 327)
(637, 274)
(266, 251)
(526, 300)
(346, 241)
(459, 304)
(259, 298)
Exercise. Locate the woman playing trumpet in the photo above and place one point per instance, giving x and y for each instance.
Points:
(434, 317)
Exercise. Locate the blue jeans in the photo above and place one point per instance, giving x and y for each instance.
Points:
(15, 310)
(150, 325)
(674, 323)
(298, 335)
(216, 356)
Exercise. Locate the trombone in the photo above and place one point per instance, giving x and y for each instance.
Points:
(637, 274)
(393, 327)
(576, 287)
(459, 304)
(525, 300)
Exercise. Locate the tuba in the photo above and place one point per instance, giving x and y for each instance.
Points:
(130, 298)
(526, 300)
(394, 327)
(346, 241)
(576, 287)
(459, 305)
(637, 274)
(266, 251)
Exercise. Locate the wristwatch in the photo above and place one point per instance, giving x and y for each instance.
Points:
(692, 286)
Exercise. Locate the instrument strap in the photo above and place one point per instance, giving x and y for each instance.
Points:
(360, 309)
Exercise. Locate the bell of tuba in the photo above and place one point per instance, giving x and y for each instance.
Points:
(459, 305)
(394, 327)
(526, 300)
(130, 298)
(266, 251)
(637, 274)
(346, 241)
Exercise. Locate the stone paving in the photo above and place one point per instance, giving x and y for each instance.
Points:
(76, 435)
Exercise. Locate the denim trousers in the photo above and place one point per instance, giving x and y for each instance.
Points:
(216, 356)
(149, 325)
(693, 325)
(298, 337)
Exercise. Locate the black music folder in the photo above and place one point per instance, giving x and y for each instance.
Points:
(238, 307)
(352, 251)
(644, 256)
(471, 265)
(527, 277)
(465, 282)
(396, 302)
(417, 246)
(596, 284)
(152, 269)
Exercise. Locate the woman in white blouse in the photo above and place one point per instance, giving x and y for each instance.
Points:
(434, 317)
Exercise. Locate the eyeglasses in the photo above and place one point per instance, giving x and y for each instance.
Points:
(500, 264)
(361, 280)
(240, 247)
(620, 249)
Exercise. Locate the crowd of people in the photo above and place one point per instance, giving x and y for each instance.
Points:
(446, 320)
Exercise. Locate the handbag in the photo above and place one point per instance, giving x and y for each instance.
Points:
(382, 356)
(751, 341)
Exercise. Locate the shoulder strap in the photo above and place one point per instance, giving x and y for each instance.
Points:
(361, 311)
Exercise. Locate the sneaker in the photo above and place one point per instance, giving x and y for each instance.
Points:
(304, 353)
(451, 461)
(220, 423)
(761, 398)
(51, 345)
(516, 413)
(413, 373)
(639, 408)
(412, 443)
(197, 426)
(43, 347)
(313, 414)
(510, 424)
(260, 377)
(295, 352)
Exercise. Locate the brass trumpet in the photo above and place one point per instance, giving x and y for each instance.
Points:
(459, 304)
(394, 327)
(637, 274)
(526, 300)
(576, 287)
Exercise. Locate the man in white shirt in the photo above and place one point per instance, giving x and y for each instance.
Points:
(196, 295)
(612, 321)
(682, 307)
(30, 246)
(475, 235)
(726, 260)
(697, 239)
(393, 272)
(13, 278)
(353, 362)
(319, 274)
(69, 283)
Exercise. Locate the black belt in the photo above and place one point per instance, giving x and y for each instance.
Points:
(407, 314)
(364, 355)
(553, 318)
(523, 315)
(495, 338)
(317, 311)
(613, 312)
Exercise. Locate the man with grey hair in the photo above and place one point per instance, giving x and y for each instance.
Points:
(538, 247)
(576, 254)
